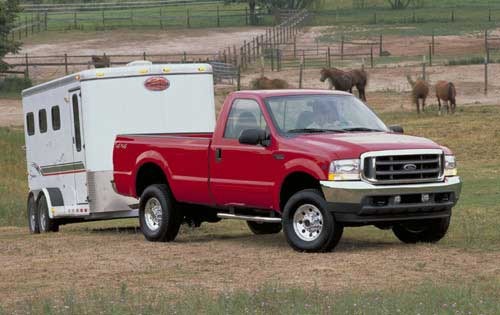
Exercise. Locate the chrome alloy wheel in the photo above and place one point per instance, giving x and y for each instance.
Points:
(308, 222)
(153, 214)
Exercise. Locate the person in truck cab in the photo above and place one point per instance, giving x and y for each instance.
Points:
(325, 116)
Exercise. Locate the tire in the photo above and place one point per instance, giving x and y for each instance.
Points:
(298, 233)
(33, 223)
(159, 217)
(45, 223)
(260, 228)
(426, 231)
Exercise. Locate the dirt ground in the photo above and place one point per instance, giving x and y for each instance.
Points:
(46, 265)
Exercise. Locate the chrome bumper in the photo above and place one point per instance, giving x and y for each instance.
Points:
(362, 202)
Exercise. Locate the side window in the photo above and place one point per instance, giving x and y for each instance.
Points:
(244, 114)
(42, 120)
(30, 123)
(76, 122)
(56, 118)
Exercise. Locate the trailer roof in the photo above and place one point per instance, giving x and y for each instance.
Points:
(131, 70)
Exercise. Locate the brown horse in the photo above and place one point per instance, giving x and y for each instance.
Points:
(446, 91)
(345, 81)
(264, 83)
(101, 61)
(420, 91)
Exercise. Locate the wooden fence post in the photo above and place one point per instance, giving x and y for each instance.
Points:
(342, 48)
(424, 72)
(32, 25)
(46, 17)
(188, 18)
(430, 55)
(329, 60)
(301, 70)
(380, 48)
(26, 25)
(485, 75)
(184, 57)
(144, 55)
(486, 46)
(103, 23)
(295, 46)
(218, 17)
(278, 60)
(66, 63)
(433, 43)
(75, 25)
(238, 79)
(161, 18)
(26, 71)
(371, 56)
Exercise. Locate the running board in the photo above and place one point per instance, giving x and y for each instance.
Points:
(248, 218)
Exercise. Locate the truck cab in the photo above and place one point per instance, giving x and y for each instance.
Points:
(310, 162)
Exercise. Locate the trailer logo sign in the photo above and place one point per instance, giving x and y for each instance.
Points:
(157, 84)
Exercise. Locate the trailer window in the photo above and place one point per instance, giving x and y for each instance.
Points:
(244, 114)
(76, 121)
(30, 124)
(42, 120)
(56, 118)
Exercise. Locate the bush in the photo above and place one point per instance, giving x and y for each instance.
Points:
(477, 60)
(14, 84)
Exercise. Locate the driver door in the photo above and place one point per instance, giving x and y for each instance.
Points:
(241, 174)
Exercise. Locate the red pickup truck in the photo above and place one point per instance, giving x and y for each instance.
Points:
(310, 162)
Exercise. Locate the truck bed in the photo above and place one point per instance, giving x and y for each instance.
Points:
(184, 159)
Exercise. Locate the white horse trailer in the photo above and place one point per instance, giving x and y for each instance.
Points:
(71, 124)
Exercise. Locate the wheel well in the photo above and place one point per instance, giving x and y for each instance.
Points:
(149, 174)
(294, 183)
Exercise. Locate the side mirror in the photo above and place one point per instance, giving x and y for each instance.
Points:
(254, 137)
(396, 129)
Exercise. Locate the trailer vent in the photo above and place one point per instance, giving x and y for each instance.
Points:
(139, 63)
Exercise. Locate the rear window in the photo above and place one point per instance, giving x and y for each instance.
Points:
(30, 124)
(56, 118)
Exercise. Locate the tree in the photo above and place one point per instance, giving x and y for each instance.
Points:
(399, 4)
(280, 4)
(8, 14)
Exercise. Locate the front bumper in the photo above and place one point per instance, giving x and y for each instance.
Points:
(359, 202)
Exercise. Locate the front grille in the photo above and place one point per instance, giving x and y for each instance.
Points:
(408, 166)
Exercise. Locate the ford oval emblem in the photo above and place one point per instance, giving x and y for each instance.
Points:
(409, 167)
(157, 84)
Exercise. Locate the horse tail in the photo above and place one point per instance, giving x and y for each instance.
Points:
(451, 92)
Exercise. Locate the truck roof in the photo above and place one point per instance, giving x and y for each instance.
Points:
(284, 92)
(133, 69)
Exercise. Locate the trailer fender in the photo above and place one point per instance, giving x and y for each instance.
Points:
(54, 199)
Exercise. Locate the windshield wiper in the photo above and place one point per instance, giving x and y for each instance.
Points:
(362, 129)
(313, 130)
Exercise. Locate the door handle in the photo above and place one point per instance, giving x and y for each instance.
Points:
(218, 155)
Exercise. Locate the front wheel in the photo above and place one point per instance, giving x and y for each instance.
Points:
(307, 223)
(159, 217)
(426, 231)
(259, 228)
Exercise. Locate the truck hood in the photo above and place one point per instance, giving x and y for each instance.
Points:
(352, 145)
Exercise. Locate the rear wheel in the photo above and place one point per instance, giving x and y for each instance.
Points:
(264, 227)
(427, 231)
(307, 223)
(159, 217)
(45, 223)
(32, 215)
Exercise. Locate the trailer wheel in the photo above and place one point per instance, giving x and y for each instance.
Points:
(426, 231)
(45, 223)
(264, 227)
(32, 215)
(159, 217)
(307, 223)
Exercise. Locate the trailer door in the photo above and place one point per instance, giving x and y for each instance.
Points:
(80, 174)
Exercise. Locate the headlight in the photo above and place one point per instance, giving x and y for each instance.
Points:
(450, 165)
(344, 170)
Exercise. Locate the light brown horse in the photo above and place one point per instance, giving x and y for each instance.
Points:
(446, 91)
(101, 61)
(264, 83)
(420, 91)
(345, 81)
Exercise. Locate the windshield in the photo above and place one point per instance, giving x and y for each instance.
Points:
(322, 113)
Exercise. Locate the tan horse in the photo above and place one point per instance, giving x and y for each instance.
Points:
(446, 91)
(101, 61)
(264, 83)
(420, 91)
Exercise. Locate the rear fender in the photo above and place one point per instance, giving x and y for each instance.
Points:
(150, 157)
